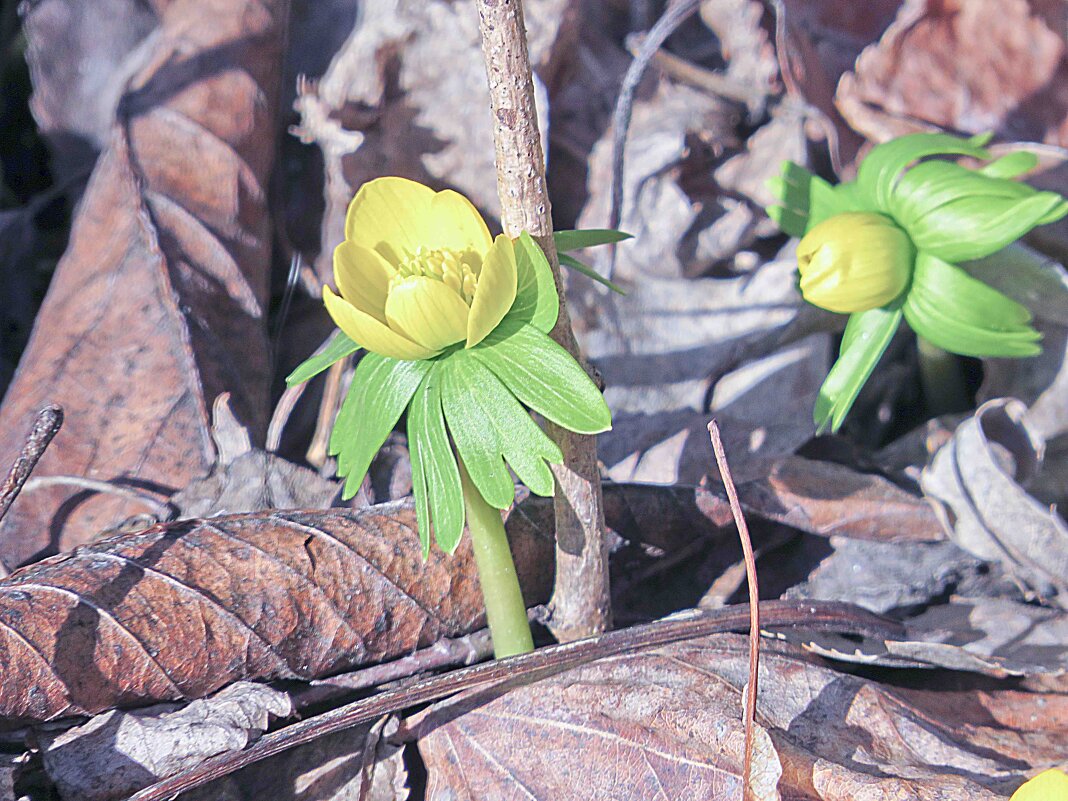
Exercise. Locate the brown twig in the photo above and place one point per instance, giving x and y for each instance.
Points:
(754, 605)
(581, 604)
(516, 670)
(318, 449)
(161, 510)
(673, 17)
(45, 426)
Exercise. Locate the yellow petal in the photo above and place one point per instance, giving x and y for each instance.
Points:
(427, 311)
(495, 292)
(362, 276)
(1050, 785)
(366, 331)
(395, 216)
(460, 226)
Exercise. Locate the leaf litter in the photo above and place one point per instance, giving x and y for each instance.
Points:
(950, 527)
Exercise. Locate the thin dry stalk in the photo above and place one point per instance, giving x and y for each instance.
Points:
(754, 605)
(580, 605)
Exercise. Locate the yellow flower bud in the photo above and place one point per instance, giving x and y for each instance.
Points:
(418, 271)
(854, 262)
(1050, 785)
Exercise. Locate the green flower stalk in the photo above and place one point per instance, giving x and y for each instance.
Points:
(888, 246)
(455, 324)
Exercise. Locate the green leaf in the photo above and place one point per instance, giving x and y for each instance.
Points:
(808, 200)
(338, 348)
(959, 214)
(545, 378)
(381, 390)
(961, 314)
(879, 172)
(536, 301)
(589, 272)
(488, 424)
(867, 336)
(1010, 165)
(435, 476)
(567, 241)
(1028, 277)
(476, 438)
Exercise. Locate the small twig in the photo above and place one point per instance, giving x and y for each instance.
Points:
(754, 606)
(677, 13)
(45, 427)
(318, 450)
(475, 647)
(162, 510)
(782, 54)
(812, 615)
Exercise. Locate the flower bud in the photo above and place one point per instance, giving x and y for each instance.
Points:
(854, 262)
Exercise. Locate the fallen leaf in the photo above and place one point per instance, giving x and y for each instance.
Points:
(744, 43)
(830, 499)
(950, 65)
(81, 55)
(115, 754)
(888, 576)
(179, 610)
(819, 42)
(977, 482)
(995, 637)
(248, 479)
(667, 722)
(158, 304)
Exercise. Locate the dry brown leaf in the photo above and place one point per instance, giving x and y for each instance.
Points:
(158, 304)
(821, 40)
(981, 65)
(179, 610)
(81, 54)
(996, 637)
(115, 754)
(664, 724)
(977, 482)
(831, 499)
(248, 479)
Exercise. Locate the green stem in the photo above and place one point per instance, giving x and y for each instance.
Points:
(942, 380)
(505, 609)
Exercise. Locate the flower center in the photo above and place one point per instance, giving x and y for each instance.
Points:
(442, 265)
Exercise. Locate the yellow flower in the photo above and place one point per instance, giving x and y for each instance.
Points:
(854, 262)
(418, 271)
(1050, 785)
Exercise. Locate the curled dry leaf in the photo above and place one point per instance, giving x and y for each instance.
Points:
(666, 721)
(993, 636)
(830, 499)
(888, 576)
(82, 54)
(115, 754)
(158, 304)
(179, 610)
(819, 42)
(975, 481)
(249, 479)
(983, 65)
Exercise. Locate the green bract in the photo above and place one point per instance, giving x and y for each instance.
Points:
(456, 327)
(944, 213)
